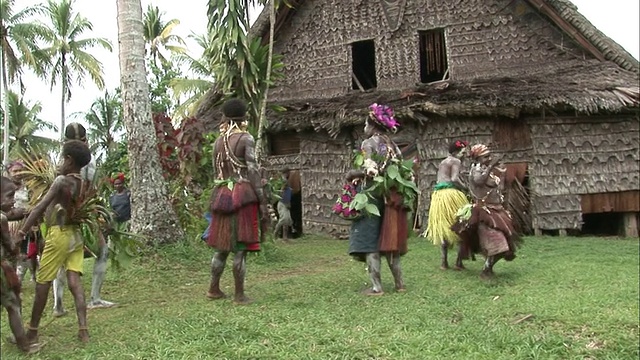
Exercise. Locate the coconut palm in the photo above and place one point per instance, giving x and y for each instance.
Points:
(158, 35)
(24, 122)
(152, 213)
(18, 37)
(67, 51)
(105, 122)
(194, 88)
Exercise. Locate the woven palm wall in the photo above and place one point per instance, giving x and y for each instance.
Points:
(484, 38)
(581, 155)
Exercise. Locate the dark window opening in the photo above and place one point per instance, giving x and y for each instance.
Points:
(286, 143)
(433, 56)
(363, 65)
(602, 224)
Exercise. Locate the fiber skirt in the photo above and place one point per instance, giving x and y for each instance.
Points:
(238, 231)
(489, 230)
(442, 215)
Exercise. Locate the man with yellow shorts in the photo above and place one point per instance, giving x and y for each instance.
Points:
(63, 242)
(63, 247)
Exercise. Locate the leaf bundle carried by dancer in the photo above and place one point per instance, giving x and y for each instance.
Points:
(91, 212)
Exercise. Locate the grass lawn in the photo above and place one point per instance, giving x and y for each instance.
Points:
(562, 298)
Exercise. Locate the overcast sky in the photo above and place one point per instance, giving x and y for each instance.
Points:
(618, 19)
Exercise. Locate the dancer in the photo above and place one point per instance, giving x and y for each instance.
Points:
(386, 235)
(75, 131)
(235, 212)
(487, 227)
(9, 281)
(63, 242)
(447, 198)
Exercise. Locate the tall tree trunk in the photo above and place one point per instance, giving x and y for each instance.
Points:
(151, 212)
(5, 112)
(261, 142)
(64, 96)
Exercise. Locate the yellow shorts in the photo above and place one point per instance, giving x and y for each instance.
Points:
(63, 246)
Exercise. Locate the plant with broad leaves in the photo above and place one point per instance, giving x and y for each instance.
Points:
(167, 144)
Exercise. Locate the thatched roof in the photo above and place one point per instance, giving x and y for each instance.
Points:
(563, 13)
(589, 87)
(586, 86)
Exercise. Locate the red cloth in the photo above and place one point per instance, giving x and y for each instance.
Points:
(32, 250)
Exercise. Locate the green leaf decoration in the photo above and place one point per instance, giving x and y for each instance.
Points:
(372, 209)
(393, 172)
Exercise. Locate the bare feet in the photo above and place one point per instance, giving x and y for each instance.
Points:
(215, 295)
(83, 335)
(444, 266)
(401, 289)
(33, 348)
(59, 313)
(242, 300)
(371, 292)
(487, 274)
(97, 304)
(32, 336)
(459, 267)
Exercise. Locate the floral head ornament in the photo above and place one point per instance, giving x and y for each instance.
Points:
(383, 115)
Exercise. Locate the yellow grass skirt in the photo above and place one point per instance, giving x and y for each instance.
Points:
(442, 214)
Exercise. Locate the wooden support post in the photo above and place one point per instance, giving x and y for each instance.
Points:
(630, 225)
(562, 232)
(355, 78)
(537, 232)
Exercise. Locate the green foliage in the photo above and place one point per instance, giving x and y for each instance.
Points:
(105, 122)
(160, 91)
(158, 36)
(240, 63)
(116, 161)
(66, 50)
(397, 176)
(19, 39)
(24, 122)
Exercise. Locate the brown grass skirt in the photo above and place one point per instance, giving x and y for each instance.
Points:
(474, 237)
(395, 229)
(235, 231)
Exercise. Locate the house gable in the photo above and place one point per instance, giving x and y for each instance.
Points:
(483, 39)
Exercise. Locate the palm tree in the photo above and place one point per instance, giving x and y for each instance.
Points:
(195, 87)
(243, 65)
(67, 51)
(18, 36)
(158, 35)
(105, 121)
(24, 122)
(152, 213)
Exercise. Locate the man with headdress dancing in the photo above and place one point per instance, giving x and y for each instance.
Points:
(238, 202)
(486, 226)
(75, 131)
(386, 235)
(447, 198)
